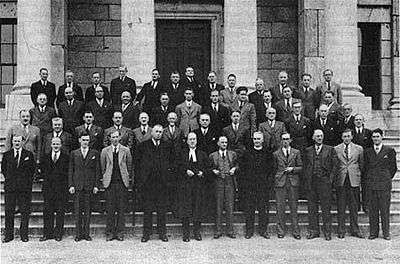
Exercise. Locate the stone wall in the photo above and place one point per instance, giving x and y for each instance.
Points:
(94, 39)
(277, 39)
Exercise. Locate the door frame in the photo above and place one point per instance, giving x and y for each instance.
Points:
(189, 12)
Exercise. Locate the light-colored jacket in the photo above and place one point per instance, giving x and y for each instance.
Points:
(124, 161)
(188, 117)
(353, 166)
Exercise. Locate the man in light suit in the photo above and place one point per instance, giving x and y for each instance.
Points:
(130, 111)
(329, 85)
(83, 180)
(350, 166)
(95, 132)
(228, 95)
(320, 167)
(67, 142)
(247, 110)
(224, 164)
(188, 113)
(116, 167)
(31, 134)
(143, 132)
(45, 87)
(287, 168)
(284, 107)
(172, 134)
(272, 130)
(380, 168)
(120, 84)
(126, 134)
(71, 110)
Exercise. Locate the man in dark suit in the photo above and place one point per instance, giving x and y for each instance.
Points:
(130, 111)
(209, 86)
(142, 132)
(255, 179)
(219, 114)
(126, 134)
(41, 115)
(175, 90)
(101, 109)
(151, 92)
(335, 111)
(277, 90)
(83, 180)
(121, 84)
(287, 168)
(348, 118)
(67, 142)
(69, 83)
(54, 170)
(190, 81)
(272, 130)
(45, 87)
(257, 99)
(307, 95)
(247, 110)
(380, 168)
(320, 168)
(160, 113)
(329, 85)
(350, 166)
(71, 110)
(154, 163)
(18, 167)
(299, 128)
(238, 136)
(172, 134)
(284, 107)
(328, 126)
(95, 132)
(193, 171)
(90, 93)
(206, 136)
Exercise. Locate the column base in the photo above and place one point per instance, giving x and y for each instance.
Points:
(16, 101)
(395, 106)
(361, 104)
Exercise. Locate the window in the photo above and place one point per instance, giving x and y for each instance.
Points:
(8, 60)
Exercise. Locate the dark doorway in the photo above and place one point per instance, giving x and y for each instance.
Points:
(182, 43)
(369, 62)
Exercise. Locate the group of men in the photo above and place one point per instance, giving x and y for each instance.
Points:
(190, 147)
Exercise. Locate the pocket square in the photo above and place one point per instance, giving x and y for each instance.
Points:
(93, 158)
(27, 158)
(385, 157)
(304, 126)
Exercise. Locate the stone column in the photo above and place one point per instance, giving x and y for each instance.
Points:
(395, 102)
(341, 51)
(138, 34)
(33, 51)
(240, 40)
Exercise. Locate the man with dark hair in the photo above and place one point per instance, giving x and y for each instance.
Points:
(67, 142)
(71, 110)
(126, 137)
(160, 113)
(188, 113)
(130, 111)
(257, 99)
(90, 93)
(348, 118)
(101, 108)
(284, 106)
(175, 90)
(247, 110)
(206, 136)
(219, 114)
(211, 85)
(18, 167)
(328, 126)
(307, 95)
(190, 81)
(151, 91)
(228, 95)
(69, 83)
(143, 131)
(329, 85)
(334, 109)
(41, 115)
(236, 134)
(380, 168)
(43, 86)
(299, 128)
(272, 130)
(277, 90)
(121, 84)
(95, 132)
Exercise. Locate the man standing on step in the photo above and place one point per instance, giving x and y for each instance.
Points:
(18, 167)
(54, 170)
(380, 168)
(84, 181)
(116, 167)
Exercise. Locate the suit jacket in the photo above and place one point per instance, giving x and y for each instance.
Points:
(258, 101)
(309, 100)
(96, 136)
(188, 117)
(90, 93)
(102, 114)
(300, 132)
(195, 86)
(139, 137)
(177, 139)
(118, 86)
(127, 137)
(331, 131)
(67, 143)
(184, 164)
(71, 115)
(130, 115)
(124, 162)
(348, 123)
(205, 93)
(283, 113)
(55, 175)
(32, 141)
(232, 158)
(380, 168)
(239, 140)
(84, 173)
(42, 119)
(61, 93)
(219, 119)
(49, 90)
(228, 98)
(18, 177)
(353, 166)
(151, 96)
(276, 93)
(248, 115)
(335, 87)
(207, 142)
(249, 178)
(159, 116)
(176, 96)
(272, 135)
(328, 166)
(281, 163)
(364, 139)
(335, 112)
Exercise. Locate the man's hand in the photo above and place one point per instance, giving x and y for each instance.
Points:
(216, 172)
(190, 173)
(232, 171)
(200, 174)
(71, 190)
(95, 190)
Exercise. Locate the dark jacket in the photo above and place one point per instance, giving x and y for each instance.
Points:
(18, 178)
(50, 90)
(102, 114)
(55, 175)
(219, 119)
(90, 93)
(207, 142)
(71, 115)
(61, 93)
(84, 174)
(118, 86)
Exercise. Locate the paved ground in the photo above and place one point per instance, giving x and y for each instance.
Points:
(224, 250)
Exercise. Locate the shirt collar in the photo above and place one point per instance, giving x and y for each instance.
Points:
(115, 147)
(258, 148)
(222, 152)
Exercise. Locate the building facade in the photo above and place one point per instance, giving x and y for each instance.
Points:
(357, 39)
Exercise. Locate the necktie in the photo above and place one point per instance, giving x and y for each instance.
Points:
(87, 129)
(287, 105)
(214, 108)
(376, 150)
(223, 155)
(143, 131)
(297, 119)
(204, 132)
(26, 129)
(115, 150)
(317, 150)
(84, 153)
(346, 151)
(190, 157)
(70, 102)
(329, 86)
(16, 157)
(54, 157)
(240, 105)
(172, 129)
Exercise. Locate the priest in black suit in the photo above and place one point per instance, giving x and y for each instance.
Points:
(43, 86)
(219, 114)
(209, 86)
(69, 83)
(151, 92)
(175, 90)
(121, 84)
(91, 90)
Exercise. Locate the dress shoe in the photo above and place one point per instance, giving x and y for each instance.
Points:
(386, 237)
(77, 239)
(7, 239)
(163, 238)
(58, 238)
(232, 235)
(197, 236)
(358, 234)
(265, 235)
(297, 236)
(312, 236)
(24, 239)
(120, 238)
(372, 237)
(341, 236)
(88, 238)
(328, 237)
(44, 238)
(145, 238)
(186, 239)
(281, 236)
(216, 236)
